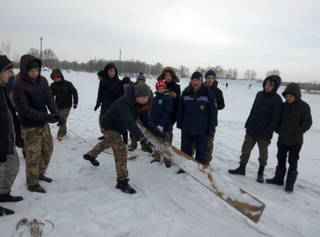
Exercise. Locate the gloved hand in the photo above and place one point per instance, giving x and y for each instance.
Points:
(3, 158)
(160, 128)
(52, 118)
(75, 106)
(146, 145)
(96, 107)
(60, 119)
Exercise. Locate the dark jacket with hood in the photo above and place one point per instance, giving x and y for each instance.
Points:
(295, 118)
(197, 113)
(265, 113)
(110, 89)
(123, 114)
(162, 108)
(63, 91)
(174, 87)
(218, 95)
(9, 125)
(32, 97)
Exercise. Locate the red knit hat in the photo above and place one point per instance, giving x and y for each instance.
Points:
(161, 83)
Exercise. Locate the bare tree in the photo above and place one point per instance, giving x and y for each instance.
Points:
(183, 71)
(34, 52)
(250, 75)
(273, 72)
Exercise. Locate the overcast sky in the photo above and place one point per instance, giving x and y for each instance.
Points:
(244, 34)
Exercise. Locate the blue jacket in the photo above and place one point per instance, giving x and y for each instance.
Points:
(197, 113)
(162, 108)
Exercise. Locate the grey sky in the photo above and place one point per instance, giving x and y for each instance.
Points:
(246, 34)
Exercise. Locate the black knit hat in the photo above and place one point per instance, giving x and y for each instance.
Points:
(141, 90)
(126, 80)
(5, 63)
(33, 65)
(210, 73)
(196, 75)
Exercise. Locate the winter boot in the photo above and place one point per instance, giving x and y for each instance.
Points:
(278, 177)
(132, 146)
(37, 188)
(5, 211)
(181, 171)
(101, 138)
(92, 159)
(157, 157)
(291, 179)
(241, 170)
(44, 178)
(125, 187)
(9, 198)
(167, 163)
(260, 174)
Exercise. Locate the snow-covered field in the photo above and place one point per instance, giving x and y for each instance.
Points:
(82, 200)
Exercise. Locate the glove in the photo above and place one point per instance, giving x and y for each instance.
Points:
(146, 146)
(75, 106)
(60, 119)
(160, 128)
(96, 107)
(51, 118)
(3, 158)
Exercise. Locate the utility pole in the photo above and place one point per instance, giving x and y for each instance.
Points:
(41, 38)
(120, 61)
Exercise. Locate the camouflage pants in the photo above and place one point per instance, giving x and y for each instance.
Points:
(38, 145)
(168, 138)
(8, 172)
(249, 143)
(63, 127)
(114, 140)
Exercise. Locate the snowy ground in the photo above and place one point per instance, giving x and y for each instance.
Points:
(82, 201)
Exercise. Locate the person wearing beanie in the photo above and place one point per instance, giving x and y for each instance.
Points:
(32, 96)
(196, 117)
(10, 137)
(110, 89)
(141, 79)
(161, 111)
(122, 116)
(260, 125)
(295, 120)
(173, 88)
(66, 96)
(126, 82)
(211, 82)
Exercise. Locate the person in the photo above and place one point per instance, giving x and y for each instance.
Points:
(32, 97)
(64, 93)
(10, 137)
(196, 117)
(212, 83)
(101, 74)
(126, 82)
(173, 88)
(260, 125)
(121, 117)
(141, 79)
(110, 89)
(295, 120)
(161, 110)
(227, 84)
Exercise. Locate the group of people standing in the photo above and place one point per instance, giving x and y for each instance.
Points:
(34, 104)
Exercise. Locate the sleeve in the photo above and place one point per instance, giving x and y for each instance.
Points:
(23, 107)
(99, 96)
(306, 121)
(51, 104)
(74, 93)
(180, 113)
(52, 90)
(167, 112)
(212, 112)
(250, 114)
(220, 100)
(275, 119)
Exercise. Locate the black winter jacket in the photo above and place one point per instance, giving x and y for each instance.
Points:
(265, 113)
(296, 118)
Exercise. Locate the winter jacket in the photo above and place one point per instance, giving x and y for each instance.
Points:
(218, 95)
(123, 114)
(110, 89)
(63, 91)
(9, 125)
(197, 113)
(32, 97)
(174, 87)
(265, 113)
(162, 108)
(295, 118)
